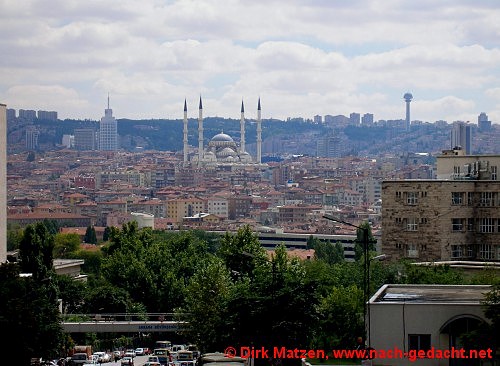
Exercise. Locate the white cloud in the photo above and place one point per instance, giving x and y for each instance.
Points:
(303, 58)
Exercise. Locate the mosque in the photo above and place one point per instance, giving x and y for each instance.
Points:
(222, 149)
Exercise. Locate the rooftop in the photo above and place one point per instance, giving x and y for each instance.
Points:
(445, 294)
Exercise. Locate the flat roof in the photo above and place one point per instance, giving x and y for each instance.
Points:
(444, 294)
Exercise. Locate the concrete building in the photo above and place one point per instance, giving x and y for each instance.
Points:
(483, 123)
(354, 119)
(367, 119)
(425, 318)
(3, 183)
(47, 115)
(461, 136)
(108, 131)
(85, 139)
(32, 135)
(454, 164)
(455, 217)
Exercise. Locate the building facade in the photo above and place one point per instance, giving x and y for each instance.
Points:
(108, 131)
(433, 220)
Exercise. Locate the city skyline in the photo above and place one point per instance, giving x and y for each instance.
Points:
(302, 59)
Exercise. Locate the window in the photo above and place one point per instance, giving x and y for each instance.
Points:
(399, 220)
(456, 225)
(412, 224)
(398, 195)
(486, 199)
(493, 172)
(419, 342)
(412, 198)
(470, 198)
(412, 251)
(486, 251)
(423, 220)
(456, 251)
(487, 225)
(470, 251)
(456, 198)
(470, 224)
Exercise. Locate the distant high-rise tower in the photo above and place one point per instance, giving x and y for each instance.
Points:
(408, 97)
(3, 183)
(461, 136)
(354, 119)
(108, 131)
(32, 135)
(259, 134)
(482, 122)
(185, 134)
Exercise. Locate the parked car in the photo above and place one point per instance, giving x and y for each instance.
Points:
(127, 361)
(185, 358)
(152, 363)
(130, 353)
(102, 357)
(139, 351)
(153, 359)
(79, 358)
(117, 355)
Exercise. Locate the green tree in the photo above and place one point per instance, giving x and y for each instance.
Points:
(90, 235)
(107, 232)
(31, 314)
(31, 156)
(206, 303)
(241, 252)
(328, 252)
(361, 240)
(14, 235)
(341, 318)
(65, 244)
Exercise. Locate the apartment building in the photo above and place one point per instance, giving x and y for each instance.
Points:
(179, 208)
(455, 217)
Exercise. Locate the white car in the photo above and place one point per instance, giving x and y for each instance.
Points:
(102, 357)
(139, 351)
(130, 353)
(127, 361)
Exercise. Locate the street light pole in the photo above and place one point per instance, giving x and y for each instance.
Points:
(366, 267)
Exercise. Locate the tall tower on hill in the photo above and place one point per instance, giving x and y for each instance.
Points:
(408, 97)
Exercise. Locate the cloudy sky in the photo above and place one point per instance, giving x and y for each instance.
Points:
(301, 57)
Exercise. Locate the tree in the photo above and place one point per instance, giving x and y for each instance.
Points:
(105, 235)
(206, 303)
(90, 236)
(359, 248)
(241, 252)
(328, 252)
(341, 320)
(31, 156)
(31, 316)
(65, 244)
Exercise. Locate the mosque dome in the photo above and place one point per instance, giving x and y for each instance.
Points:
(222, 137)
(226, 152)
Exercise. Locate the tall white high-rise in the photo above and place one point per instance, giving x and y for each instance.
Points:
(108, 131)
(3, 183)
(259, 133)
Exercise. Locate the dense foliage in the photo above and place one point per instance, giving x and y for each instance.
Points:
(228, 288)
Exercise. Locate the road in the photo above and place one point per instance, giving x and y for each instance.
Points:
(138, 361)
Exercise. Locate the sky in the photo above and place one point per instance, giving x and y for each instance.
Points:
(301, 57)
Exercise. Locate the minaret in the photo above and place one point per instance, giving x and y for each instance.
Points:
(200, 134)
(185, 139)
(259, 134)
(242, 129)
